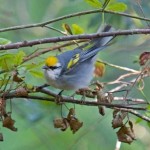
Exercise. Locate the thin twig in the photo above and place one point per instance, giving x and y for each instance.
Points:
(70, 16)
(46, 50)
(118, 67)
(141, 9)
(118, 80)
(136, 114)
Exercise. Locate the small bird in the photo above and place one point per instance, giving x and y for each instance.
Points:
(73, 70)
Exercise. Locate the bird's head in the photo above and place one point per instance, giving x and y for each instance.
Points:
(52, 63)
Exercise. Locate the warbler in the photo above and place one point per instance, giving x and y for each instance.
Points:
(73, 69)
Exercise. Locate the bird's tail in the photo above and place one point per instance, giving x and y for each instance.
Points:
(101, 41)
(95, 45)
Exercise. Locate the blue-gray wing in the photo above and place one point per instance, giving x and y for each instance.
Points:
(84, 52)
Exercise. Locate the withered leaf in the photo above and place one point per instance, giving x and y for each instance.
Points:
(61, 123)
(1, 137)
(71, 114)
(118, 118)
(144, 57)
(101, 110)
(16, 78)
(99, 69)
(8, 122)
(2, 106)
(21, 92)
(131, 124)
(126, 135)
(129, 132)
(75, 124)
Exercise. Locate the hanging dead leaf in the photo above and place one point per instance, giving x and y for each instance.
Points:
(129, 131)
(1, 137)
(118, 117)
(126, 135)
(21, 92)
(115, 112)
(16, 78)
(144, 57)
(75, 124)
(99, 69)
(8, 122)
(101, 110)
(2, 106)
(131, 125)
(103, 98)
(61, 123)
(67, 28)
(71, 114)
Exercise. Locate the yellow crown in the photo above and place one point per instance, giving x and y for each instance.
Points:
(51, 61)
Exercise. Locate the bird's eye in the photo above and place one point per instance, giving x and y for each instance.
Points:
(53, 67)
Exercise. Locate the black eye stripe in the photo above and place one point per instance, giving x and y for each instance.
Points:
(53, 67)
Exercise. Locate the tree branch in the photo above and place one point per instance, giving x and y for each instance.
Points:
(136, 114)
(72, 37)
(65, 99)
(70, 16)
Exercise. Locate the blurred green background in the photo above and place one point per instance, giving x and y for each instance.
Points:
(34, 119)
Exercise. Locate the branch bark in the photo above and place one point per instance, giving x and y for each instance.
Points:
(65, 99)
(72, 37)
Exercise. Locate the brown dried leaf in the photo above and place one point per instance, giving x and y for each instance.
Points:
(144, 57)
(99, 69)
(2, 106)
(101, 110)
(61, 123)
(75, 124)
(21, 92)
(124, 138)
(129, 132)
(66, 124)
(115, 112)
(126, 135)
(16, 78)
(118, 119)
(8, 122)
(104, 97)
(131, 125)
(1, 137)
(71, 114)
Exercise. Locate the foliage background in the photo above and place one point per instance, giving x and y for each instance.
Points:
(34, 119)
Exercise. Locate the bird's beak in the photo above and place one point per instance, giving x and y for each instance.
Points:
(45, 67)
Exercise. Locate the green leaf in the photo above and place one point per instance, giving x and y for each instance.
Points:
(6, 61)
(77, 29)
(19, 58)
(148, 124)
(67, 28)
(94, 3)
(120, 7)
(4, 41)
(37, 73)
(34, 77)
(148, 107)
(138, 120)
